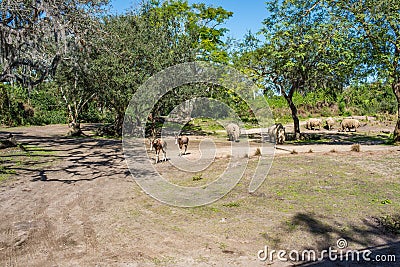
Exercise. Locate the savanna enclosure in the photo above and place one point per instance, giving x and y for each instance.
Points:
(327, 71)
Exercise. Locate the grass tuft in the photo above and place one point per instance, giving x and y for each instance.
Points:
(355, 148)
(197, 177)
(390, 223)
(231, 204)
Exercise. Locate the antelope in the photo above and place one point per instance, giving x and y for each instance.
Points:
(182, 141)
(159, 145)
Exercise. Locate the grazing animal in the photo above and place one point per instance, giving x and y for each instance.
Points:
(233, 132)
(329, 123)
(313, 123)
(151, 140)
(159, 145)
(182, 142)
(154, 134)
(277, 133)
(348, 124)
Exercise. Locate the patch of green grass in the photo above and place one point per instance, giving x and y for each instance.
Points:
(363, 138)
(231, 204)
(203, 126)
(390, 140)
(386, 201)
(206, 211)
(391, 223)
(290, 225)
(197, 177)
(31, 157)
(222, 246)
(164, 261)
(307, 200)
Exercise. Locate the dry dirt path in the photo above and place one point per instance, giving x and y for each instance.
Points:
(84, 209)
(51, 215)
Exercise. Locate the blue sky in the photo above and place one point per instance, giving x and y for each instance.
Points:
(247, 15)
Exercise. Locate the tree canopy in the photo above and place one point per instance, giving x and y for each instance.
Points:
(35, 35)
(79, 51)
(304, 50)
(376, 28)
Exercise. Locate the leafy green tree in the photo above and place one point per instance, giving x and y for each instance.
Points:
(303, 50)
(377, 31)
(34, 36)
(73, 83)
(158, 35)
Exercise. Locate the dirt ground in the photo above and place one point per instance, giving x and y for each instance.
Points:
(79, 206)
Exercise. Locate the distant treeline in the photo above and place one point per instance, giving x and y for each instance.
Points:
(46, 105)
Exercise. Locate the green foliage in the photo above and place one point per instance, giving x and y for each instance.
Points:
(231, 205)
(41, 106)
(390, 223)
(315, 56)
(376, 33)
(11, 107)
(370, 99)
(15, 106)
(363, 99)
(48, 105)
(197, 177)
(141, 43)
(303, 51)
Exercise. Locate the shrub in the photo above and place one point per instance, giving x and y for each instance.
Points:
(390, 223)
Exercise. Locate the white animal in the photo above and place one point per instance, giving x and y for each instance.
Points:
(313, 123)
(233, 132)
(348, 124)
(329, 123)
(277, 133)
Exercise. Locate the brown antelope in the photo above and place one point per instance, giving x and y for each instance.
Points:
(159, 145)
(182, 142)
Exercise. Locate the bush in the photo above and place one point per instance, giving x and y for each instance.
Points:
(363, 99)
(14, 108)
(391, 223)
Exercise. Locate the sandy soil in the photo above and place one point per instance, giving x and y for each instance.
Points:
(85, 209)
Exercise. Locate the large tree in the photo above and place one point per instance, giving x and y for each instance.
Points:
(376, 23)
(156, 36)
(73, 80)
(34, 35)
(303, 50)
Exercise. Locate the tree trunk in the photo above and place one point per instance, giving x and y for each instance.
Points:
(296, 121)
(75, 129)
(396, 133)
(118, 123)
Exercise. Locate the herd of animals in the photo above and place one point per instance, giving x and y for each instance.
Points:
(346, 124)
(160, 146)
(276, 133)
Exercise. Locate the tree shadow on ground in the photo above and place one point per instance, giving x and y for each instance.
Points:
(336, 138)
(364, 236)
(65, 159)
